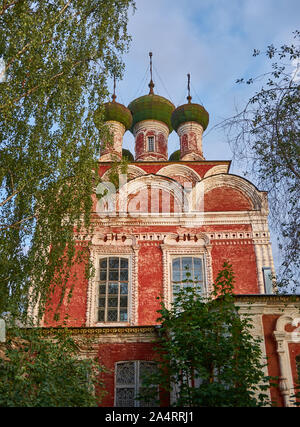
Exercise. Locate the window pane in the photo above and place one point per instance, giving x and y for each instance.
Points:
(187, 264)
(113, 275)
(113, 288)
(113, 262)
(112, 315)
(125, 397)
(176, 264)
(102, 302)
(124, 263)
(112, 302)
(103, 275)
(102, 289)
(101, 316)
(123, 301)
(125, 373)
(124, 275)
(103, 263)
(176, 276)
(123, 315)
(123, 288)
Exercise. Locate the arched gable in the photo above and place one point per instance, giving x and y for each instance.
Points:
(180, 173)
(228, 192)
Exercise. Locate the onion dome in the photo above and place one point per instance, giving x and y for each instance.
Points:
(151, 107)
(175, 157)
(190, 113)
(126, 154)
(113, 111)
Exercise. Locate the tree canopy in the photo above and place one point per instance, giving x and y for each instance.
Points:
(46, 371)
(265, 134)
(207, 355)
(57, 57)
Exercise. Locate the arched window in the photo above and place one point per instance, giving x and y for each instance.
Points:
(187, 271)
(113, 290)
(129, 382)
(151, 143)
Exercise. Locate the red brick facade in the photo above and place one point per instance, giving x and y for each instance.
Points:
(189, 208)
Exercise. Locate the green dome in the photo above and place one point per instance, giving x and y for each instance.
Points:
(190, 113)
(153, 107)
(118, 113)
(175, 157)
(126, 154)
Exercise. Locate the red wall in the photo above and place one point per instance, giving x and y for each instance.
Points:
(150, 277)
(242, 256)
(110, 353)
(226, 199)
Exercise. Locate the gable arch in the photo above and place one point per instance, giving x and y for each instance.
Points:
(151, 183)
(257, 198)
(183, 171)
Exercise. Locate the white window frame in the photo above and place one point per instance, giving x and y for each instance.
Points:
(129, 294)
(174, 248)
(136, 385)
(192, 255)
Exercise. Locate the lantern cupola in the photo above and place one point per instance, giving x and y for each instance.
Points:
(190, 121)
(151, 124)
(119, 120)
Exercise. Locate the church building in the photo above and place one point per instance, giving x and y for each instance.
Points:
(170, 214)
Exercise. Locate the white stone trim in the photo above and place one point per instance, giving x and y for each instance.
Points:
(258, 198)
(181, 170)
(132, 172)
(215, 170)
(175, 245)
(283, 338)
(105, 246)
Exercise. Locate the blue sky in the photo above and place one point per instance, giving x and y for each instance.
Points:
(213, 40)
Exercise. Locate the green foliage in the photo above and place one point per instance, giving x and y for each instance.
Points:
(207, 352)
(43, 372)
(265, 135)
(58, 56)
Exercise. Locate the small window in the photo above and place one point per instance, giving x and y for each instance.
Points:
(129, 376)
(267, 273)
(150, 143)
(113, 290)
(188, 272)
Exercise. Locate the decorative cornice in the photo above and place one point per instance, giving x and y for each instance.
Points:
(103, 330)
(261, 298)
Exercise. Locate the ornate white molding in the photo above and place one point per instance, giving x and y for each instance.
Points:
(178, 244)
(283, 338)
(106, 245)
(215, 170)
(132, 172)
(183, 171)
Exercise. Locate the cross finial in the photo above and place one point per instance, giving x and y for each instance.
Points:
(151, 84)
(114, 94)
(189, 98)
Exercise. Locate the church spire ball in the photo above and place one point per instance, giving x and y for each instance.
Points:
(113, 111)
(189, 112)
(151, 106)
